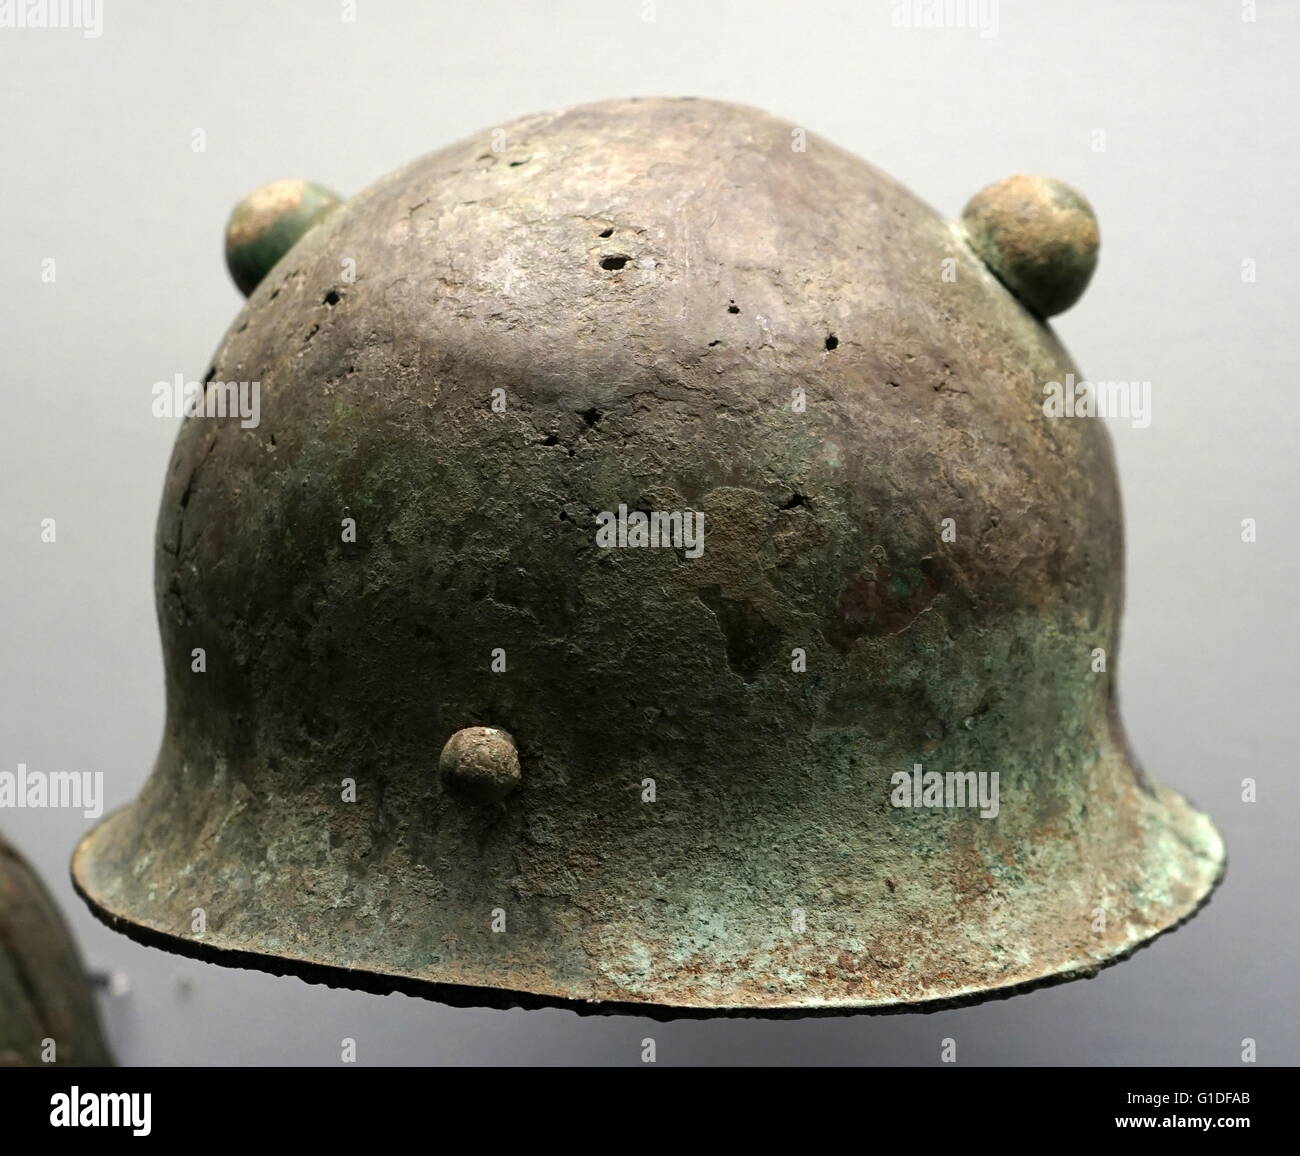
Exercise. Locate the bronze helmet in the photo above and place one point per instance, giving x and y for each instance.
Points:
(465, 700)
(47, 1008)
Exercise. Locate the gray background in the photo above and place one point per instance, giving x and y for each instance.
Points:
(1198, 173)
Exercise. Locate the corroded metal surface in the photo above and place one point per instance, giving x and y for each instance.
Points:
(699, 826)
(1038, 236)
(268, 222)
(47, 1010)
(482, 763)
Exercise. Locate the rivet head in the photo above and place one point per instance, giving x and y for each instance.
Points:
(267, 223)
(1038, 237)
(481, 763)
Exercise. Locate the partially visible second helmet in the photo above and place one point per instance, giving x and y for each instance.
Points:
(47, 1008)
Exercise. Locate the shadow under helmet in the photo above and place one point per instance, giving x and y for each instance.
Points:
(439, 722)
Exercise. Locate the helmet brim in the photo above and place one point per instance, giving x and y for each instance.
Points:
(1067, 921)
